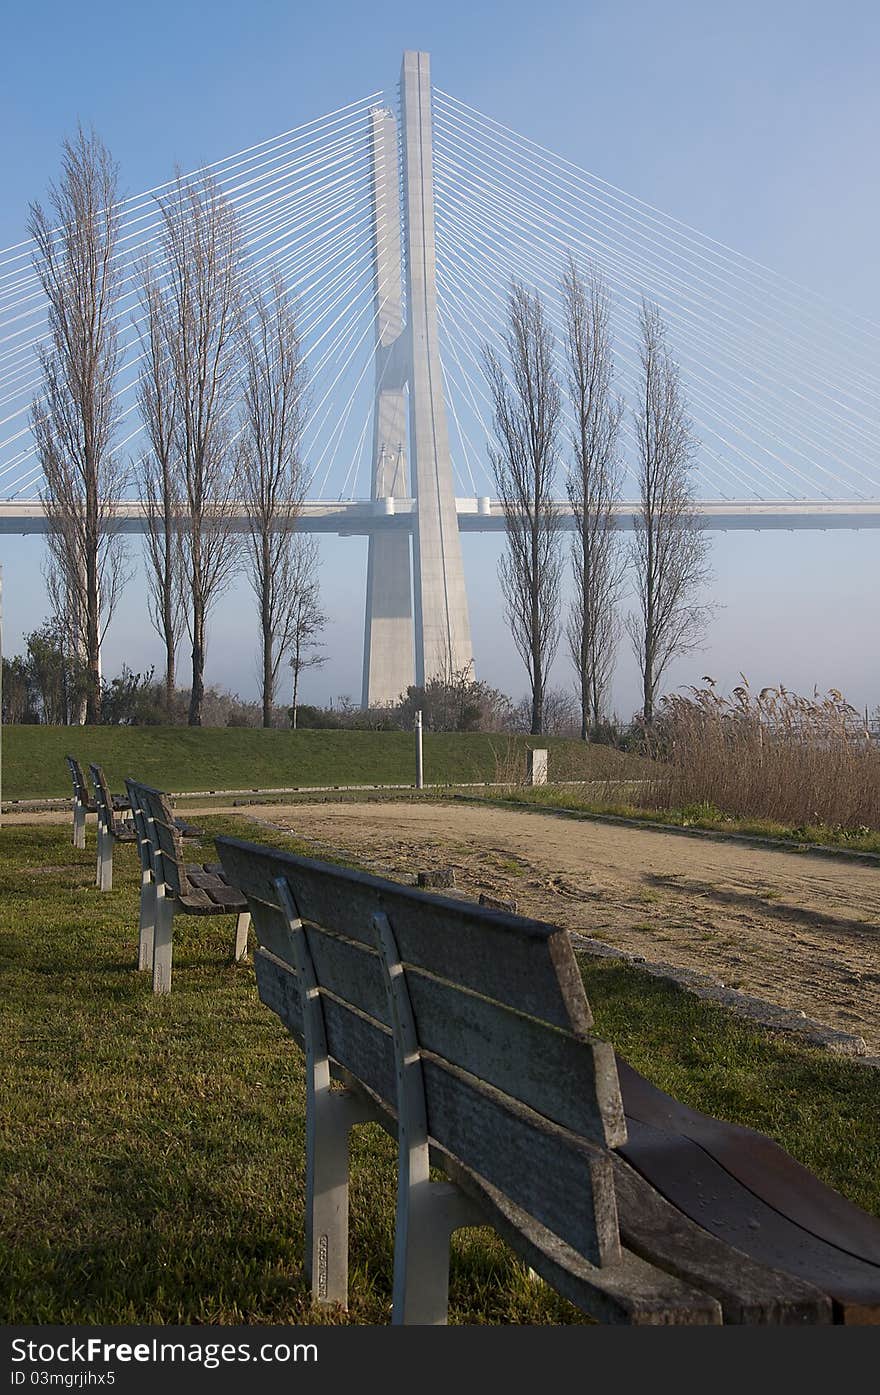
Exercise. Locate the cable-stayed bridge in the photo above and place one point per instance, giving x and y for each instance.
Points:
(397, 222)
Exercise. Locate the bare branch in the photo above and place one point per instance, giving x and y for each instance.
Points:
(200, 315)
(669, 551)
(274, 416)
(593, 483)
(74, 421)
(526, 401)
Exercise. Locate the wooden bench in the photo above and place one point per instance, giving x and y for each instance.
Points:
(465, 1032)
(83, 803)
(111, 829)
(170, 886)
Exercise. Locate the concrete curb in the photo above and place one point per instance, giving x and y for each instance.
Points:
(754, 1010)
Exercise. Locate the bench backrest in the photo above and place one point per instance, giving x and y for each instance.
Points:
(166, 852)
(80, 788)
(515, 1088)
(141, 826)
(103, 799)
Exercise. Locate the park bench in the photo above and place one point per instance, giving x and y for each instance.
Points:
(111, 829)
(83, 803)
(170, 886)
(465, 1033)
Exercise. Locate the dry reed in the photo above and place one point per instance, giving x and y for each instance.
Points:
(773, 755)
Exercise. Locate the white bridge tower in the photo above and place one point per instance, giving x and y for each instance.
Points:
(417, 624)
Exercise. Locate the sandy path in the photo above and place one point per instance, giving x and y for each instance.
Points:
(796, 930)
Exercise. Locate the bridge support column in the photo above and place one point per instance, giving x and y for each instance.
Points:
(388, 630)
(442, 626)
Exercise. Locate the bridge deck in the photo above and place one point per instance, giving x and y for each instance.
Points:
(364, 516)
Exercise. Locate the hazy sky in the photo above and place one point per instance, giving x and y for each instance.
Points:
(757, 123)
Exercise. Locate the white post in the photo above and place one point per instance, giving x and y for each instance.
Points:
(536, 767)
(420, 769)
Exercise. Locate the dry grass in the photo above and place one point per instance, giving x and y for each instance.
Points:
(771, 755)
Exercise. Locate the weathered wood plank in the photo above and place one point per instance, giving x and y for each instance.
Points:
(567, 1079)
(750, 1293)
(761, 1165)
(700, 1188)
(560, 1180)
(629, 1291)
(527, 1059)
(521, 962)
(349, 969)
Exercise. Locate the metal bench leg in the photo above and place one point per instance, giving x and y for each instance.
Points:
(427, 1212)
(162, 943)
(146, 921)
(241, 935)
(330, 1117)
(79, 824)
(105, 860)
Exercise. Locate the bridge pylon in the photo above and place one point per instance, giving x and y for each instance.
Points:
(429, 636)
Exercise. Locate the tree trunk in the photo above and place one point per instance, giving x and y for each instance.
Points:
(267, 628)
(93, 611)
(168, 597)
(197, 695)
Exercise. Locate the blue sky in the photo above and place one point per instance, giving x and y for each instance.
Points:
(757, 123)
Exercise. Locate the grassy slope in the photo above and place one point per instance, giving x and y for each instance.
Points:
(152, 1161)
(182, 758)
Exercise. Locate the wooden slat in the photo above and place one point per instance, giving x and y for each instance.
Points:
(277, 988)
(557, 1178)
(351, 970)
(748, 1292)
(629, 1291)
(761, 1165)
(702, 1189)
(523, 963)
(534, 1063)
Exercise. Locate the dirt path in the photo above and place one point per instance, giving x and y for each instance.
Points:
(799, 931)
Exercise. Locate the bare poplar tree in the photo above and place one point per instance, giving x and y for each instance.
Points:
(274, 415)
(158, 486)
(75, 418)
(201, 314)
(669, 551)
(593, 488)
(307, 620)
(526, 413)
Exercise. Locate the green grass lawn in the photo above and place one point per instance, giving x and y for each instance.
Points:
(152, 1150)
(206, 758)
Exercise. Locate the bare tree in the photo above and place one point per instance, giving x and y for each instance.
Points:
(593, 488)
(307, 620)
(669, 552)
(526, 412)
(201, 314)
(158, 485)
(75, 418)
(273, 477)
